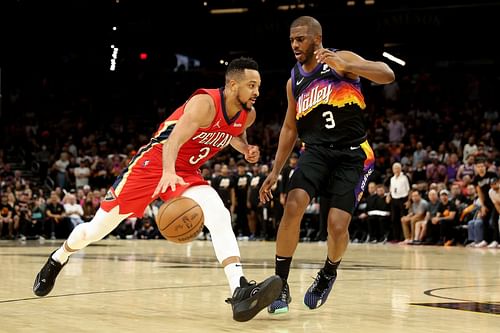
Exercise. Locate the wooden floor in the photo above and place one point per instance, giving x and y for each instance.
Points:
(157, 286)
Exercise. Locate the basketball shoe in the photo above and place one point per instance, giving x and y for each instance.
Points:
(280, 304)
(46, 278)
(318, 292)
(251, 297)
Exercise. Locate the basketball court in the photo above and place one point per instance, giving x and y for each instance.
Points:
(157, 286)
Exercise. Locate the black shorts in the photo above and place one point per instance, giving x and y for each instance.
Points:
(338, 174)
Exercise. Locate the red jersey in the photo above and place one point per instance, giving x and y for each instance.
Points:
(133, 189)
(206, 142)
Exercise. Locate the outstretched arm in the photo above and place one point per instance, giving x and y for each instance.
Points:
(288, 137)
(352, 66)
(288, 133)
(198, 112)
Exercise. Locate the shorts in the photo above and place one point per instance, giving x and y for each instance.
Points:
(341, 175)
(133, 189)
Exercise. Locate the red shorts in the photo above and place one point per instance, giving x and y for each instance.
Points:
(133, 189)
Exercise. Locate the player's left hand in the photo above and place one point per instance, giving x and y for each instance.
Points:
(331, 58)
(253, 154)
(168, 179)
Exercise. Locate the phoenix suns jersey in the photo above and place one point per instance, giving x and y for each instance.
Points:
(206, 142)
(329, 108)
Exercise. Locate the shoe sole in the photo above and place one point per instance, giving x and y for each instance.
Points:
(319, 302)
(282, 310)
(279, 311)
(269, 291)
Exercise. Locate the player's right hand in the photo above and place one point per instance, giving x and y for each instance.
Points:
(265, 193)
(168, 179)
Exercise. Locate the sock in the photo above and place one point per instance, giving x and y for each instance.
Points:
(62, 254)
(283, 266)
(330, 267)
(234, 272)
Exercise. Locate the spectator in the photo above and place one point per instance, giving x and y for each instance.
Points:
(396, 129)
(419, 155)
(483, 181)
(452, 166)
(378, 212)
(399, 189)
(82, 173)
(445, 219)
(421, 227)
(73, 210)
(60, 168)
(470, 148)
(416, 213)
(435, 171)
(6, 217)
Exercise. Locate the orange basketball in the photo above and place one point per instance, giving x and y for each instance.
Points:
(180, 219)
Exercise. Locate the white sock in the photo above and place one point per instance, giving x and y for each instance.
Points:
(233, 273)
(61, 255)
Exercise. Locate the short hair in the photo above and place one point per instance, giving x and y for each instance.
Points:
(241, 163)
(237, 67)
(313, 26)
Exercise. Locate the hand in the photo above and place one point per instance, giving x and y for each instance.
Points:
(330, 58)
(253, 154)
(483, 211)
(265, 193)
(168, 179)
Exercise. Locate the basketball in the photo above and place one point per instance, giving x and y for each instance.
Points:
(180, 219)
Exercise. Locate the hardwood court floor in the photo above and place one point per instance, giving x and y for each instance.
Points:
(157, 286)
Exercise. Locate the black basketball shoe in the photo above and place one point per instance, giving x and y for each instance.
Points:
(251, 297)
(46, 278)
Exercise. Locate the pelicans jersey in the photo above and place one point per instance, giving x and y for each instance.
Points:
(329, 107)
(206, 142)
(133, 189)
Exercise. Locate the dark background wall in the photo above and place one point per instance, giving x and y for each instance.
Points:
(67, 42)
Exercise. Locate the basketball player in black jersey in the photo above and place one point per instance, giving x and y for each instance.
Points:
(325, 109)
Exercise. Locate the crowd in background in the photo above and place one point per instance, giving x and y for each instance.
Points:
(435, 138)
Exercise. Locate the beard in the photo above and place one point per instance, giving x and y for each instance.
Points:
(244, 105)
(308, 55)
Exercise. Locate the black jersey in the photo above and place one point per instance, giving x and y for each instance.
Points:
(329, 107)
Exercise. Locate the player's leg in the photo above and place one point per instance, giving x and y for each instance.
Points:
(248, 298)
(83, 234)
(312, 171)
(129, 195)
(287, 239)
(349, 180)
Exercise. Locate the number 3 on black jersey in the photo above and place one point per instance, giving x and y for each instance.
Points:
(330, 122)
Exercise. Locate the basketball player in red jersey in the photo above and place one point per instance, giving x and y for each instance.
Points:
(168, 167)
(325, 109)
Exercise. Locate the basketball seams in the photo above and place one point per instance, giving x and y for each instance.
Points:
(195, 228)
(165, 207)
(181, 214)
(177, 224)
(160, 213)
